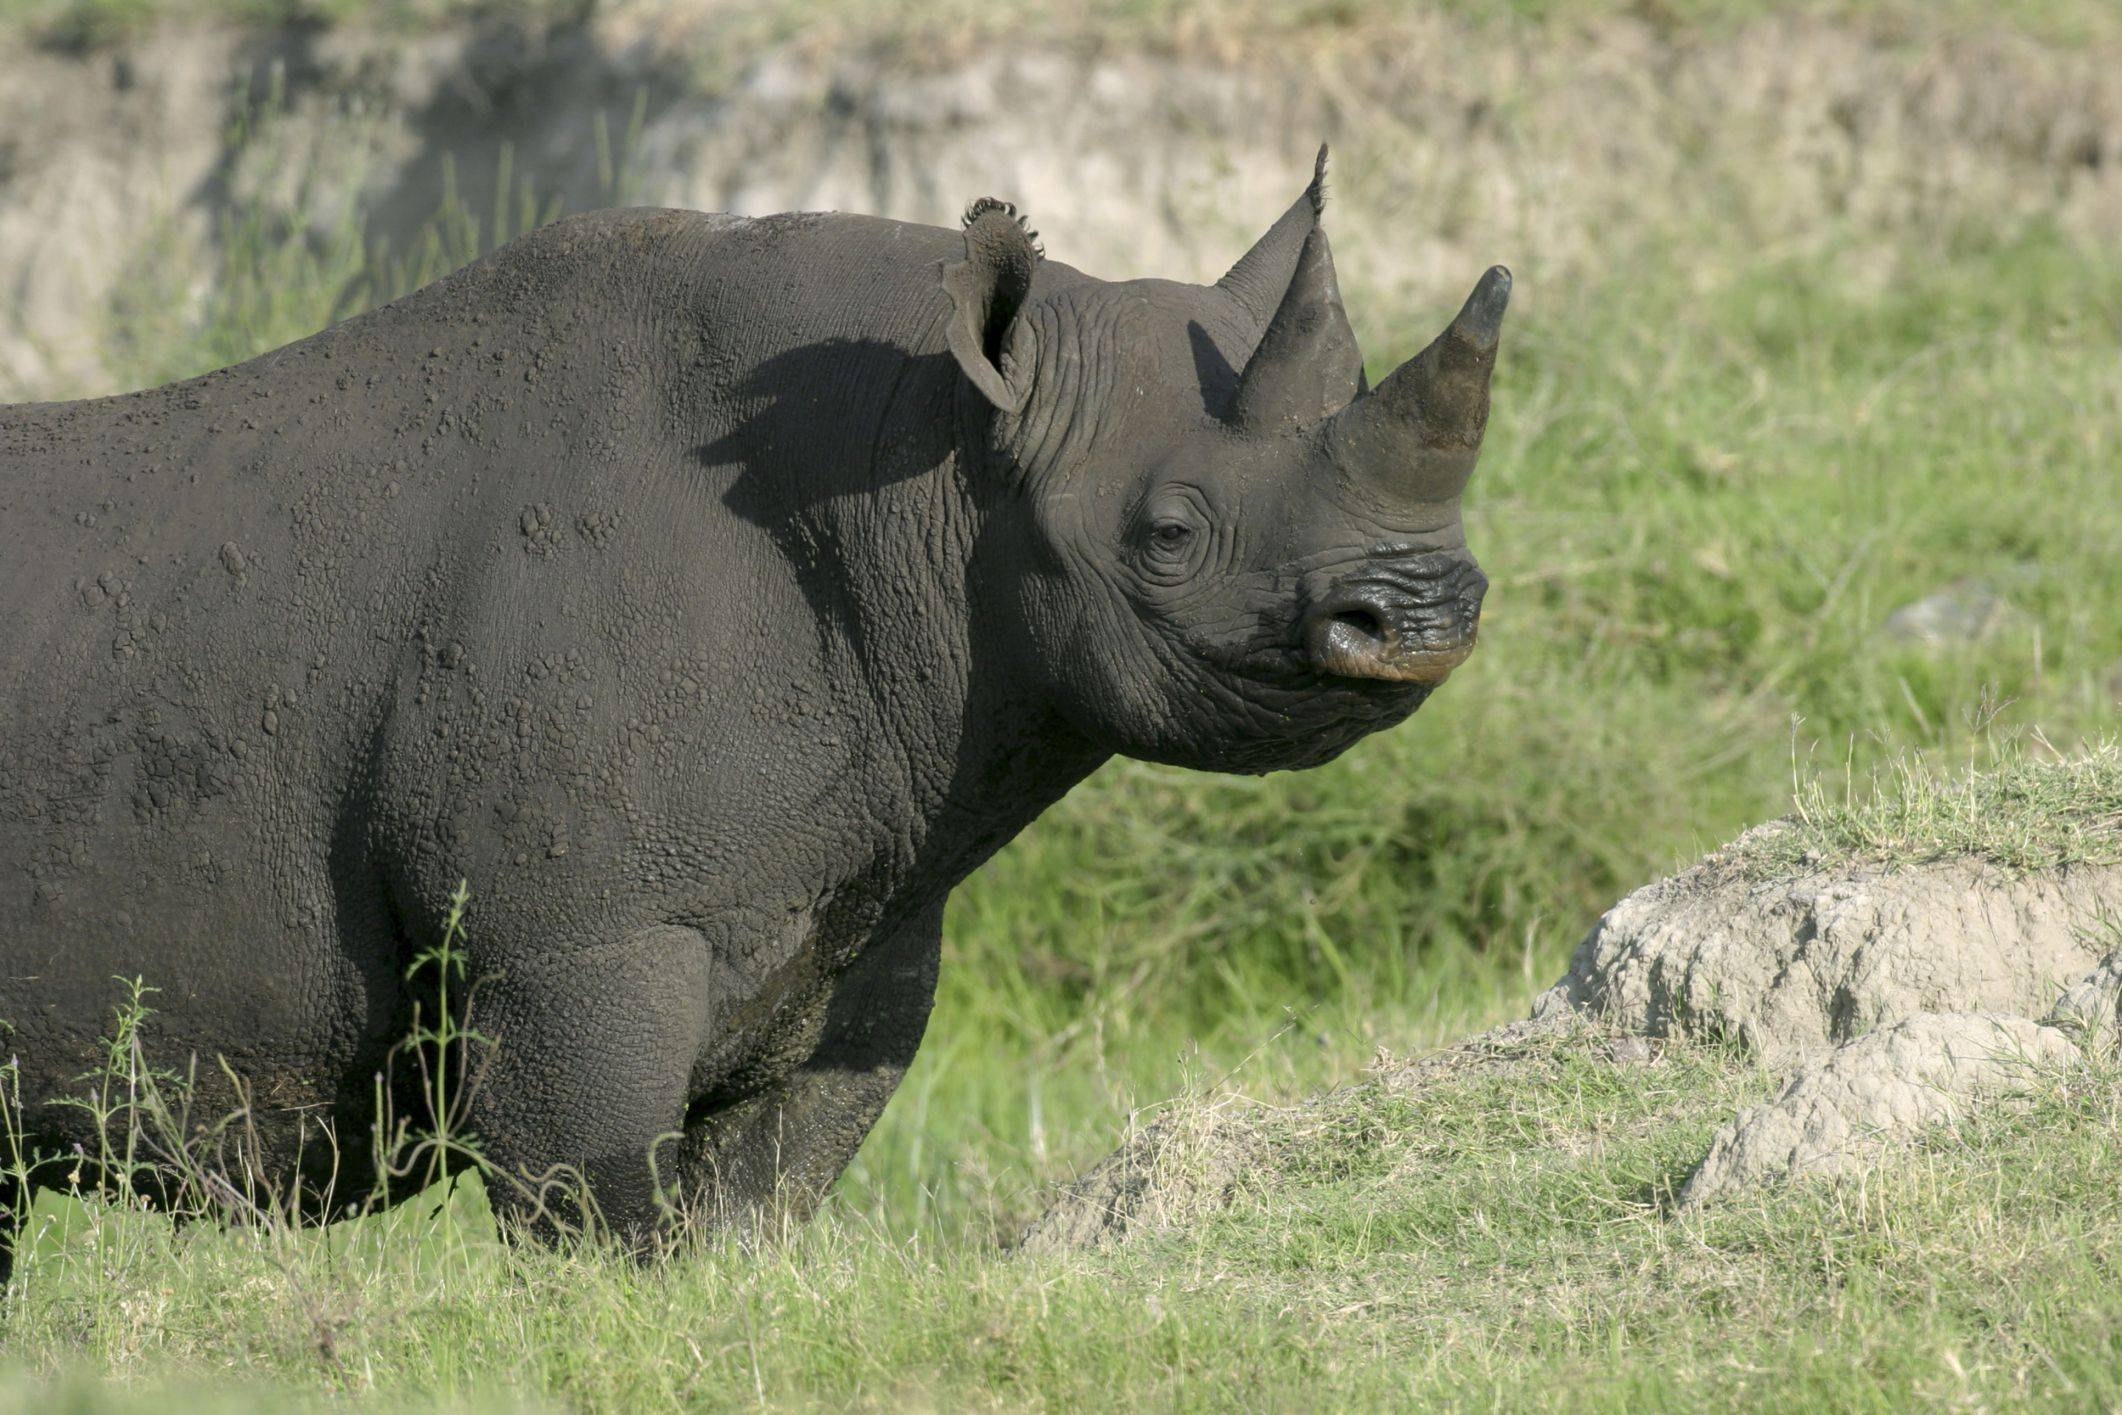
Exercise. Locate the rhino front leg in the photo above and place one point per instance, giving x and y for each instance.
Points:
(591, 1055)
(782, 1148)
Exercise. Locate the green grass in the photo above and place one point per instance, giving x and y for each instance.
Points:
(1714, 470)
(1488, 1237)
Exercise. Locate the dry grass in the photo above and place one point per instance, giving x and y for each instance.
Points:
(2029, 808)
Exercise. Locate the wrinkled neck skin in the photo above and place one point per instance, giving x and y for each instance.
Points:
(930, 650)
(877, 507)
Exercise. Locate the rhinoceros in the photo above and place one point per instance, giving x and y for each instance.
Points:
(713, 595)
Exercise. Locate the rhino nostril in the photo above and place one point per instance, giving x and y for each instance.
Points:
(1363, 621)
(1364, 638)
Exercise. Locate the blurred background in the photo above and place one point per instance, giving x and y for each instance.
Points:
(1806, 457)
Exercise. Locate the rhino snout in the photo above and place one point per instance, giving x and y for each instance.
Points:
(1413, 626)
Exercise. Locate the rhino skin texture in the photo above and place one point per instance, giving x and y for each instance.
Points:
(712, 595)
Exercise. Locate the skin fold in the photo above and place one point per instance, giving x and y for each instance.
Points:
(712, 595)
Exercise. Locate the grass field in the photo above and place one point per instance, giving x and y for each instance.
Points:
(1492, 1238)
(1713, 473)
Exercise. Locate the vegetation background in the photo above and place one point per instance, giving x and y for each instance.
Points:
(1766, 507)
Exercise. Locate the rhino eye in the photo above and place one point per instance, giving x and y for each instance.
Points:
(1173, 537)
(1169, 535)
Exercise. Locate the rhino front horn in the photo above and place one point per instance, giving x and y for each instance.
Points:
(1415, 436)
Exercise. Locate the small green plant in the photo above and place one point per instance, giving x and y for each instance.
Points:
(137, 1113)
(16, 1162)
(449, 1055)
(146, 1148)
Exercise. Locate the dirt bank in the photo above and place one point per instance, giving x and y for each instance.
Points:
(1457, 143)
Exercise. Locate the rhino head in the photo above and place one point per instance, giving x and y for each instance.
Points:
(1209, 539)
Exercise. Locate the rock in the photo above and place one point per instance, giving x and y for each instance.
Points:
(1791, 967)
(1633, 1051)
(1964, 612)
(2091, 1009)
(1842, 1110)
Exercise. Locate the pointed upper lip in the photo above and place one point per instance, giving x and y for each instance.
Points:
(1347, 652)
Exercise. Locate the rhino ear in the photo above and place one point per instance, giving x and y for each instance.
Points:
(986, 291)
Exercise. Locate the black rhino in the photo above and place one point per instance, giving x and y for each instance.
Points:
(713, 594)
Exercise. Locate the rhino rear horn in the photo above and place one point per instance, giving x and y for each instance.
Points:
(1415, 437)
(1307, 366)
(986, 290)
(1262, 274)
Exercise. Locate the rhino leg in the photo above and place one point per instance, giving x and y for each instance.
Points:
(589, 1065)
(782, 1148)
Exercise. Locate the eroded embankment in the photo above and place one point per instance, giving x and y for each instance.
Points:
(1459, 143)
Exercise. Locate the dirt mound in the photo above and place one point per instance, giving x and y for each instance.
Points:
(1184, 1162)
(1899, 999)
(2091, 1009)
(1791, 967)
(1840, 1111)
(1198, 1156)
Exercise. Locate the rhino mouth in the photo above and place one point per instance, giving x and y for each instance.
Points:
(1277, 711)
(1355, 644)
(1290, 674)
